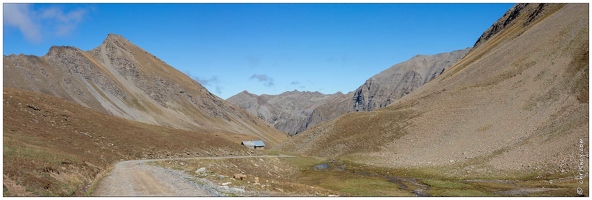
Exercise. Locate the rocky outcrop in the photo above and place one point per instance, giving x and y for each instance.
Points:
(387, 87)
(516, 15)
(401, 79)
(121, 79)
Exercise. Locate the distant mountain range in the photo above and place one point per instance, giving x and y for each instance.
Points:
(294, 112)
(289, 111)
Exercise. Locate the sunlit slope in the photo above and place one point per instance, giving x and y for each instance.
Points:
(121, 79)
(517, 102)
(387, 86)
(55, 147)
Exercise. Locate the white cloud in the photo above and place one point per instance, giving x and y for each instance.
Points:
(64, 22)
(268, 81)
(19, 15)
(212, 82)
(209, 82)
(298, 83)
(34, 24)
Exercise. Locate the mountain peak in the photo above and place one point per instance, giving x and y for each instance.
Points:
(124, 80)
(115, 38)
(246, 92)
(243, 94)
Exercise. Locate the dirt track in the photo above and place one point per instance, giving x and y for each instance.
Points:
(136, 178)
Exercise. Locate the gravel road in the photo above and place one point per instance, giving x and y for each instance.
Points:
(136, 178)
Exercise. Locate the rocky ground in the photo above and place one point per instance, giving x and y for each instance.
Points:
(136, 178)
(142, 178)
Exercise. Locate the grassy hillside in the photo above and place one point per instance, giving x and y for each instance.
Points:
(515, 107)
(123, 80)
(53, 147)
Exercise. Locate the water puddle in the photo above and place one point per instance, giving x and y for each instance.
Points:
(321, 166)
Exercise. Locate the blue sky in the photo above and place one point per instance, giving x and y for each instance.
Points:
(262, 48)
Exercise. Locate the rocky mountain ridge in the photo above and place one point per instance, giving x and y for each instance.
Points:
(121, 79)
(288, 111)
(294, 112)
(515, 106)
(401, 79)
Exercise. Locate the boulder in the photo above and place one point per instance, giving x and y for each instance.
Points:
(201, 170)
(240, 176)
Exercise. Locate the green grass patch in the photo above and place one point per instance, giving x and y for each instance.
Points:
(305, 161)
(348, 178)
(363, 186)
(561, 192)
(351, 184)
(492, 186)
(573, 184)
(443, 184)
(271, 152)
(278, 153)
(458, 193)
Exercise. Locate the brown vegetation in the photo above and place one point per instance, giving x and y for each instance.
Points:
(53, 147)
(121, 79)
(515, 108)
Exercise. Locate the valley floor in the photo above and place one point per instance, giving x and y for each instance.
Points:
(279, 175)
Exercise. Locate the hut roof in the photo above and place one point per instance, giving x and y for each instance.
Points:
(255, 143)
